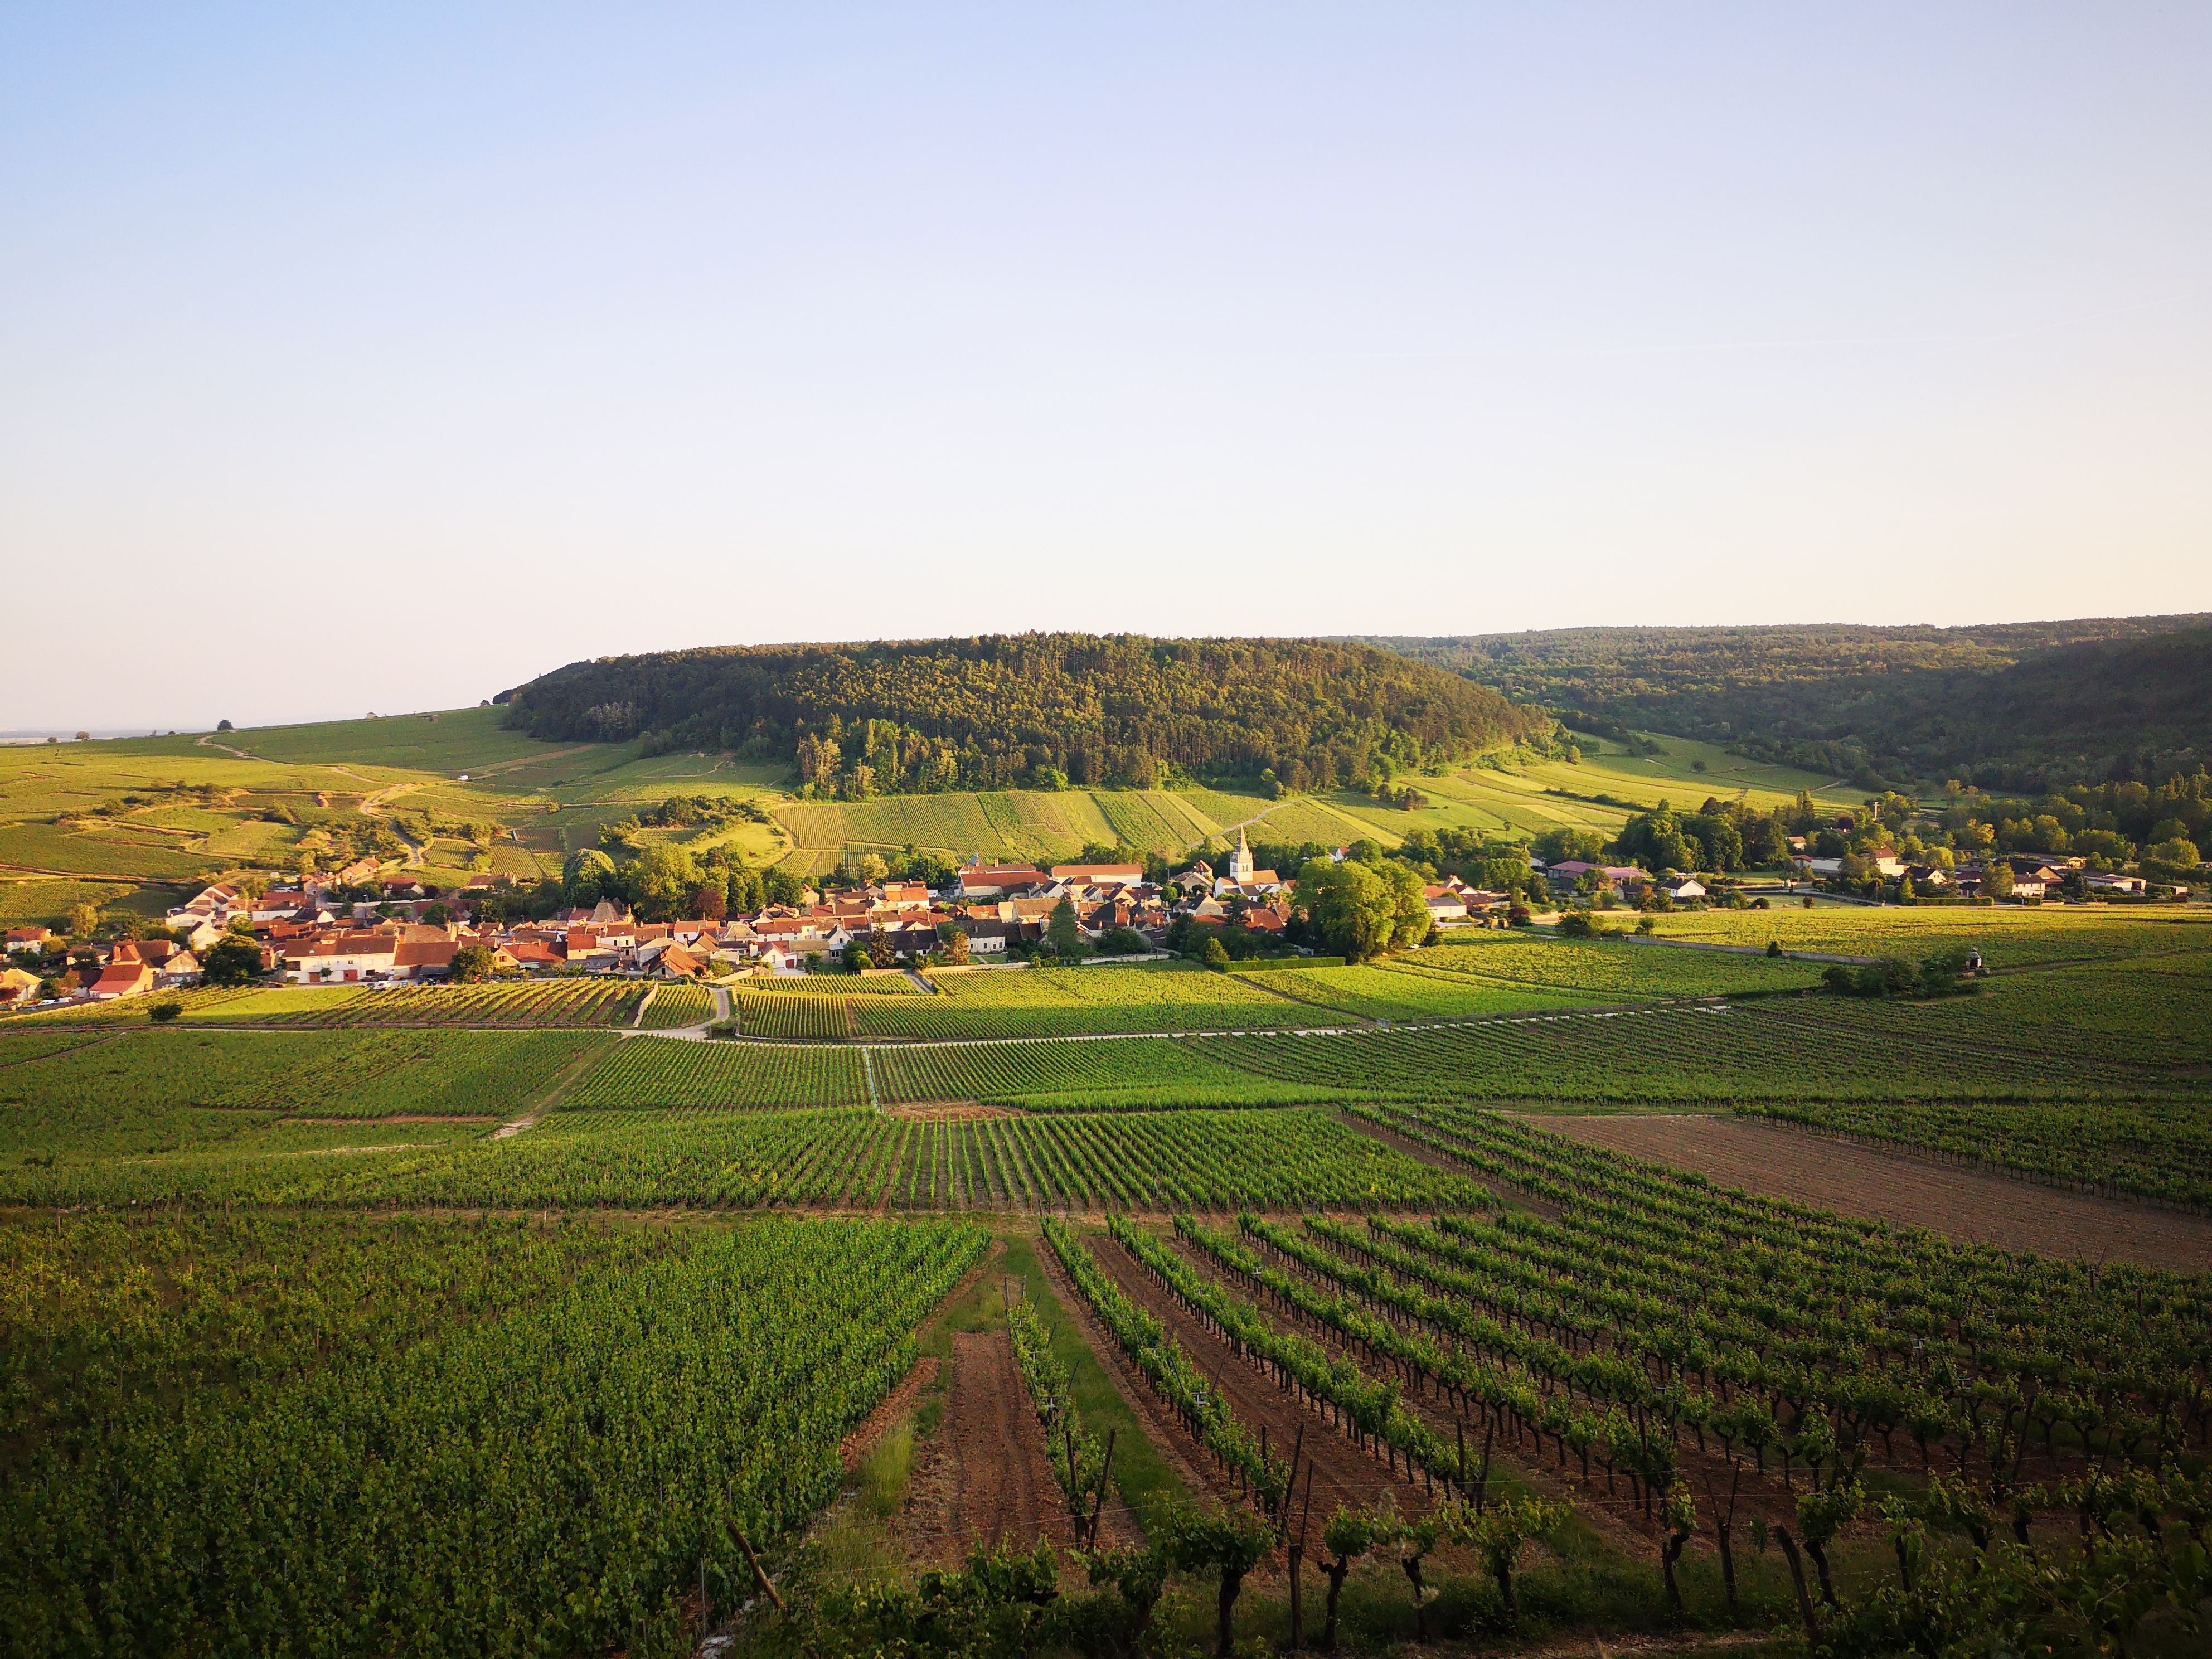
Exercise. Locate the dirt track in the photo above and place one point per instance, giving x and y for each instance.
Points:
(987, 1476)
(1784, 1162)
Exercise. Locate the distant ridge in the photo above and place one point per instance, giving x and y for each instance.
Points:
(1037, 710)
(2033, 705)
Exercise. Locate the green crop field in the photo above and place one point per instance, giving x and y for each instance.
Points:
(677, 1004)
(196, 1366)
(28, 1043)
(149, 1091)
(1388, 992)
(71, 853)
(1682, 1055)
(729, 1076)
(1613, 969)
(1075, 1076)
(2008, 936)
(538, 1002)
(772, 1014)
(43, 903)
(1069, 1001)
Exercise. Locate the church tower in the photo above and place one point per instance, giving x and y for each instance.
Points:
(1240, 861)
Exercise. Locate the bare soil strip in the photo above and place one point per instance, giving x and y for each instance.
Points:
(1782, 1161)
(1160, 1427)
(857, 1445)
(1342, 1473)
(994, 1453)
(947, 1111)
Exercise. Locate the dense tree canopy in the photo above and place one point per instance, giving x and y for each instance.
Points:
(1363, 909)
(1037, 710)
(2021, 706)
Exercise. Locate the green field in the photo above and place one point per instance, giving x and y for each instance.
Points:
(675, 1005)
(539, 1002)
(2008, 936)
(428, 1396)
(1329, 1201)
(1615, 968)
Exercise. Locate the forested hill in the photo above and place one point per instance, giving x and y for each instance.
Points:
(2011, 705)
(1036, 709)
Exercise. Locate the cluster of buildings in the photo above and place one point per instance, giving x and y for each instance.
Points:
(1630, 880)
(309, 939)
(2034, 875)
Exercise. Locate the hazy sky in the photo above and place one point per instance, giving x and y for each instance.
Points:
(383, 360)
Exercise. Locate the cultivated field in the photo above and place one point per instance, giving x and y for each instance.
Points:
(1853, 1179)
(930, 1251)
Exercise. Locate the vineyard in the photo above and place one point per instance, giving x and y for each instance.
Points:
(16, 1047)
(675, 1005)
(2007, 936)
(1393, 993)
(163, 1092)
(438, 1403)
(1759, 1323)
(810, 1018)
(2148, 1012)
(587, 1156)
(1690, 1053)
(1615, 970)
(728, 1076)
(541, 1002)
(1076, 1002)
(1099, 1076)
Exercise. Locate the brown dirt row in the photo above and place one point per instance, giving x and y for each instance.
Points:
(1189, 1465)
(1615, 1516)
(987, 1473)
(947, 1111)
(1342, 1472)
(855, 1447)
(1784, 1161)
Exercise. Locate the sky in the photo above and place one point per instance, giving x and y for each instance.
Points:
(383, 358)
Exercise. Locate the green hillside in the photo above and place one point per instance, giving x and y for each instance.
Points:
(1041, 710)
(2018, 705)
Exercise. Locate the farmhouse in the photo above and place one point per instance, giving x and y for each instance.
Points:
(1098, 875)
(30, 939)
(344, 958)
(121, 979)
(996, 880)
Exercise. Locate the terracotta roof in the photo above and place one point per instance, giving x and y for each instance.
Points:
(1100, 873)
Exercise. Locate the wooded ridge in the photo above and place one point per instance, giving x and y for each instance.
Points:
(1037, 710)
(2021, 705)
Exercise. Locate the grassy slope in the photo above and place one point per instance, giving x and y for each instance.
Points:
(558, 797)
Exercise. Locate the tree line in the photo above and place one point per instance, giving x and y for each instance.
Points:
(1037, 711)
(2024, 706)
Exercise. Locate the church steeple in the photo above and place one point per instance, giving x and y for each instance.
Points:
(1240, 861)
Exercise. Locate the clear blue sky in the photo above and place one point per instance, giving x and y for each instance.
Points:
(381, 361)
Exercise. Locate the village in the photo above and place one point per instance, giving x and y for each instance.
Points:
(370, 924)
(990, 914)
